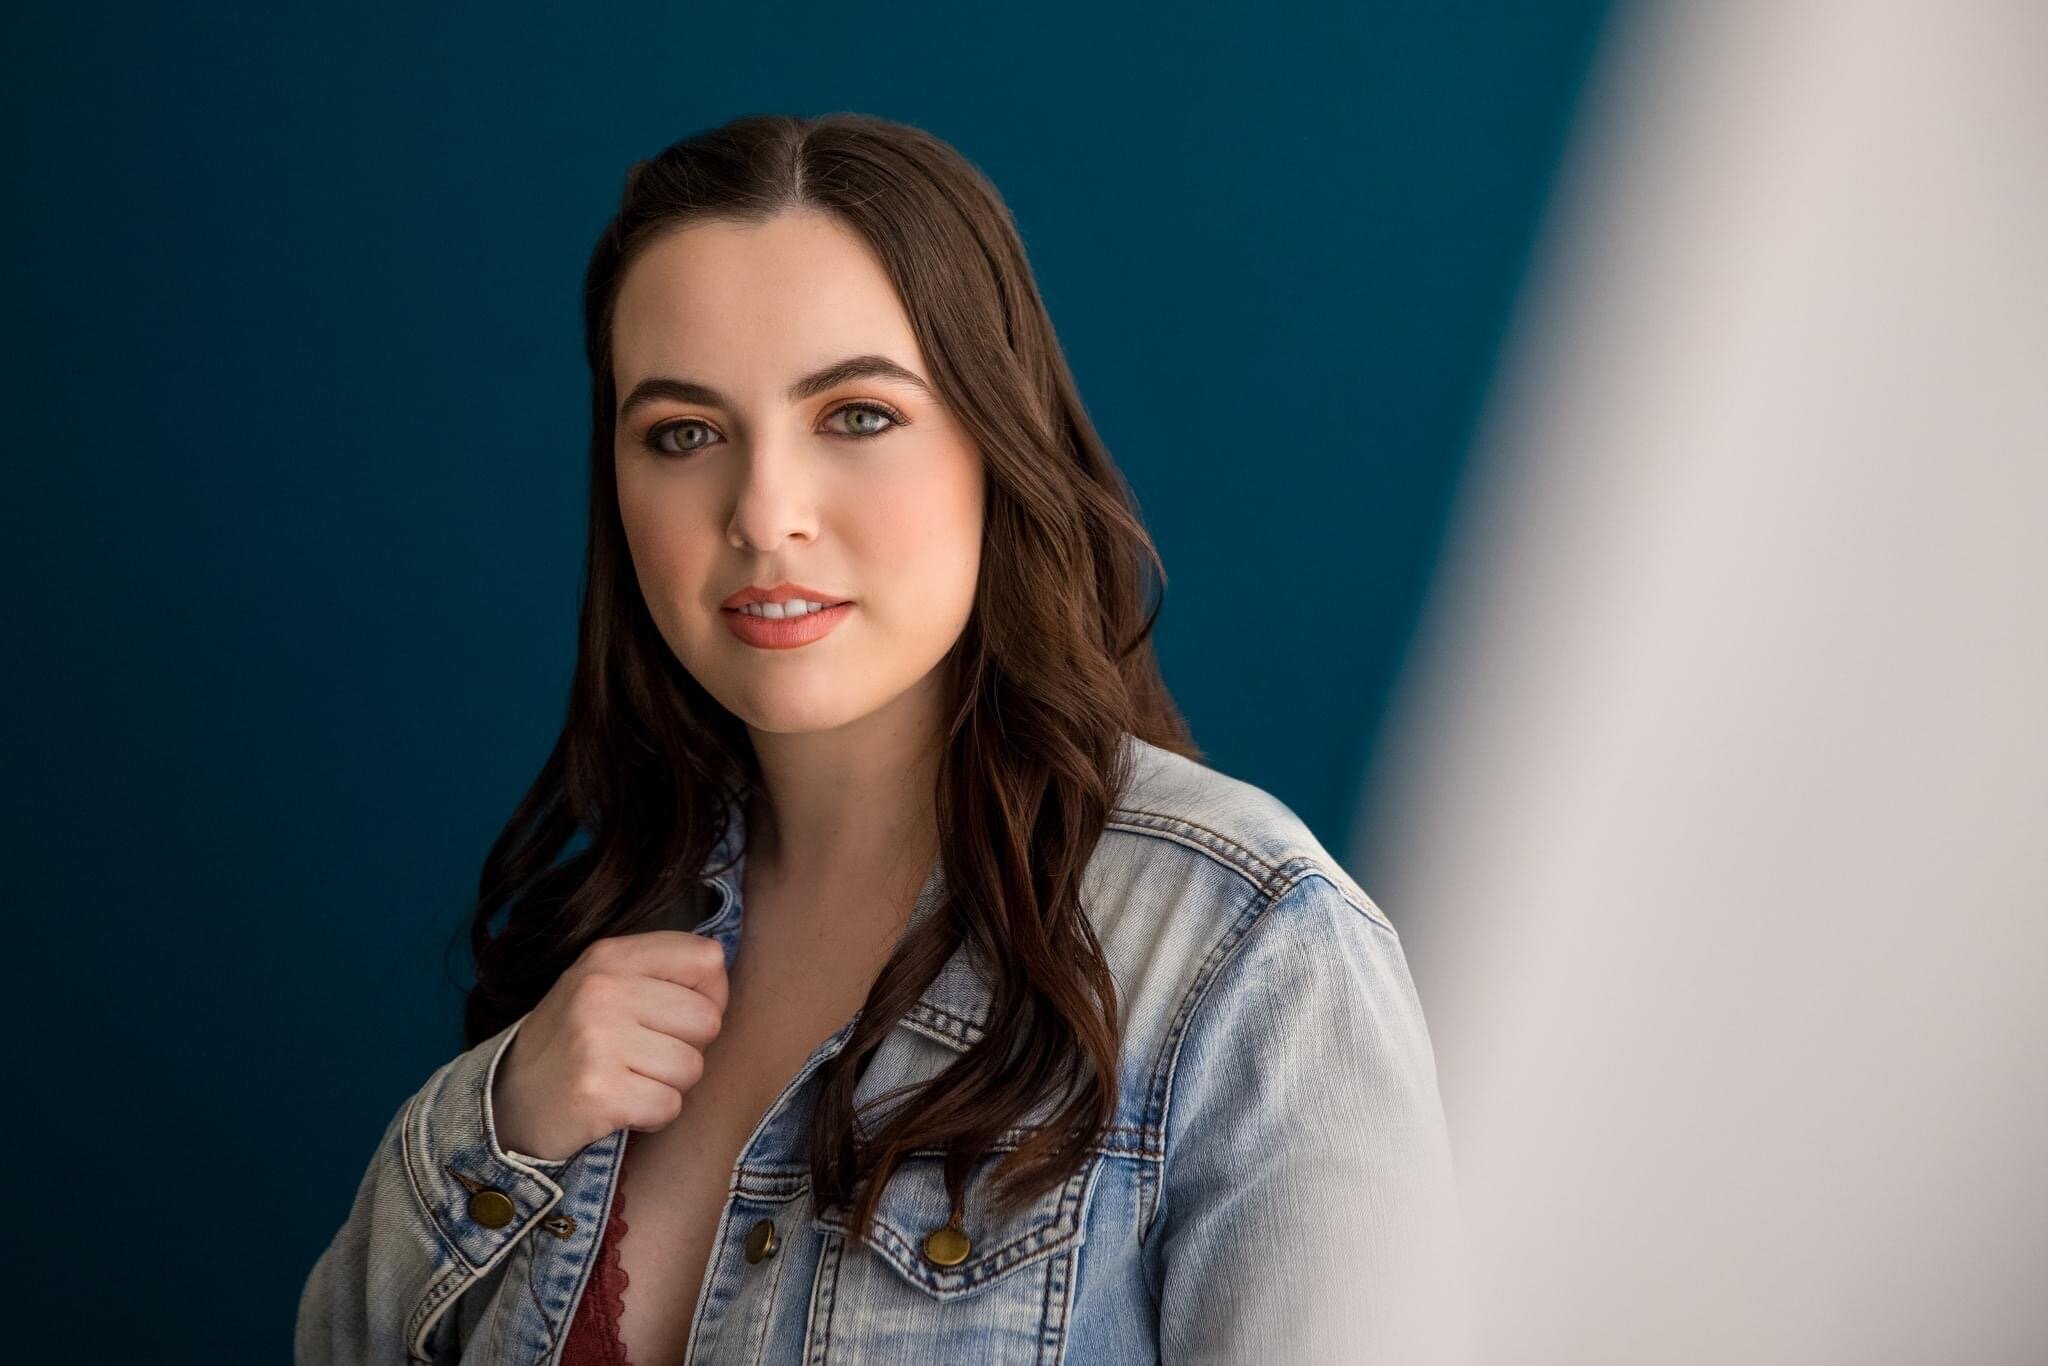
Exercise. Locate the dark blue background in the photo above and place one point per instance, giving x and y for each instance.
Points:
(297, 495)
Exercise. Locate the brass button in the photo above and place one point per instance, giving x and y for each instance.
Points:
(761, 1240)
(491, 1208)
(947, 1245)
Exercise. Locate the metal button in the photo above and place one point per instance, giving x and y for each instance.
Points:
(947, 1245)
(491, 1208)
(761, 1241)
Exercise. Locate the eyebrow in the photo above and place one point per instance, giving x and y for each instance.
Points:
(657, 387)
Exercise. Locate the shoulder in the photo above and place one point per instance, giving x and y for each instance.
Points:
(1178, 814)
(1281, 1075)
(1199, 871)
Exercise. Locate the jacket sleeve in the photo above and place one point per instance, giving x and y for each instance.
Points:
(413, 1241)
(1309, 1211)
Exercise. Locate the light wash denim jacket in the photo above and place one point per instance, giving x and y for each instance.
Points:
(1277, 1186)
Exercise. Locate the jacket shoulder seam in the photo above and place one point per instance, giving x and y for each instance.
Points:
(1219, 957)
(1273, 880)
(1225, 850)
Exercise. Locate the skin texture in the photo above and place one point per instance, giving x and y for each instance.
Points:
(847, 728)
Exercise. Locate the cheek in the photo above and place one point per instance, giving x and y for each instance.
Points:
(928, 534)
(667, 559)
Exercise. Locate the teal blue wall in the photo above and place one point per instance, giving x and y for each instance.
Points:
(296, 479)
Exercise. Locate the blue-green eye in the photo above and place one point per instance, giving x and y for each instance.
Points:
(656, 439)
(866, 409)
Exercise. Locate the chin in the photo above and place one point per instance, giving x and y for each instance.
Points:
(804, 725)
(788, 712)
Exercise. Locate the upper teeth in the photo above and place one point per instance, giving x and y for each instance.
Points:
(795, 607)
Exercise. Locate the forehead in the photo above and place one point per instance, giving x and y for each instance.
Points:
(751, 305)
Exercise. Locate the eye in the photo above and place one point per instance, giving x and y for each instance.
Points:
(657, 437)
(657, 441)
(866, 408)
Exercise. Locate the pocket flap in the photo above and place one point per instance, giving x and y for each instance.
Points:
(914, 1204)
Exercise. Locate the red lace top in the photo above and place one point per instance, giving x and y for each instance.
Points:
(594, 1334)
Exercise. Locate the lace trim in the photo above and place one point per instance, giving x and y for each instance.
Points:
(594, 1336)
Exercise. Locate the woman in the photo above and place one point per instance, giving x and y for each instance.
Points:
(873, 933)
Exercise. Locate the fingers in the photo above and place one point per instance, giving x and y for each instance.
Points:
(649, 1104)
(689, 960)
(684, 1013)
(665, 1059)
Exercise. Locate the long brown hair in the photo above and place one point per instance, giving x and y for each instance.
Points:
(1055, 665)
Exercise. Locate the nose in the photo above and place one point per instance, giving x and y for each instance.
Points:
(776, 498)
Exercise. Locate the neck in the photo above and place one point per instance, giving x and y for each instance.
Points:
(844, 816)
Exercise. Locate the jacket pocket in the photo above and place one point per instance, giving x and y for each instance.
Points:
(996, 1289)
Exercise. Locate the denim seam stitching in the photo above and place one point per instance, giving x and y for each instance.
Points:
(780, 1257)
(423, 1315)
(818, 1325)
(594, 1235)
(1045, 1322)
(1228, 851)
(419, 1194)
(1264, 876)
(533, 1293)
(1212, 967)
(1047, 1233)
(1062, 1268)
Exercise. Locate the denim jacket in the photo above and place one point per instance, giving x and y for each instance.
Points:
(1277, 1185)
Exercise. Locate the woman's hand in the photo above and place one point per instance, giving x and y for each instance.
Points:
(613, 1045)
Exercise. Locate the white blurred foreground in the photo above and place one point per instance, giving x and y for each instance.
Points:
(1715, 813)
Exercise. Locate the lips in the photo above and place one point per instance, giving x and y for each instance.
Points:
(786, 633)
(782, 592)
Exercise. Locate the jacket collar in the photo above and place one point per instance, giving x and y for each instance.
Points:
(954, 1009)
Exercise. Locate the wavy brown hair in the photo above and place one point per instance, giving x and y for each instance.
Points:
(1055, 665)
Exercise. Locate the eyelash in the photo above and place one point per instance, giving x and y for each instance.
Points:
(652, 441)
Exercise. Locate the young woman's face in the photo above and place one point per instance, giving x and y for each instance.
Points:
(741, 462)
